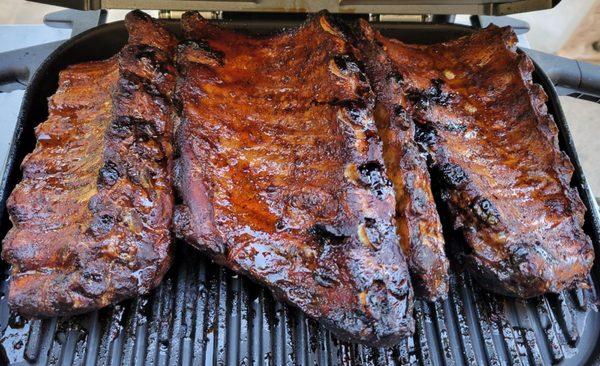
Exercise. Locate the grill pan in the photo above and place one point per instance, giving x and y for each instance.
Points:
(203, 314)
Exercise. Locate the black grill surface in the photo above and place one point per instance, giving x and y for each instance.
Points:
(203, 314)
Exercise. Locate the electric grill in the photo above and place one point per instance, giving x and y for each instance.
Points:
(204, 314)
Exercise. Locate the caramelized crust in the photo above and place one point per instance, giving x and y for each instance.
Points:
(419, 226)
(92, 215)
(282, 176)
(495, 151)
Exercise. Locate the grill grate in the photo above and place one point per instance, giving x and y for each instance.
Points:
(204, 314)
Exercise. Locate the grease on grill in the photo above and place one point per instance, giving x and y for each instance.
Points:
(560, 321)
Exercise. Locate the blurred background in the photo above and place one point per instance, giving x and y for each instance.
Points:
(571, 29)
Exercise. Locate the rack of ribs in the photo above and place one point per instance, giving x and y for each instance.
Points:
(495, 152)
(92, 215)
(420, 230)
(282, 177)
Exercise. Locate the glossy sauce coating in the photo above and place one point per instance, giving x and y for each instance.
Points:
(494, 150)
(93, 212)
(282, 176)
(419, 226)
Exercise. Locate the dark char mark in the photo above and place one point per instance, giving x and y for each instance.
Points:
(327, 234)
(130, 82)
(101, 224)
(452, 175)
(371, 174)
(108, 174)
(148, 55)
(125, 126)
(422, 99)
(346, 64)
(396, 77)
(425, 135)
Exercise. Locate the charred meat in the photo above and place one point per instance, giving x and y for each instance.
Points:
(418, 222)
(494, 149)
(282, 175)
(92, 215)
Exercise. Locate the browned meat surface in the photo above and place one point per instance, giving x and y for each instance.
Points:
(92, 214)
(494, 148)
(419, 226)
(282, 176)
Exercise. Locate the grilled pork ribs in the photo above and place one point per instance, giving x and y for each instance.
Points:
(494, 150)
(419, 227)
(282, 175)
(92, 215)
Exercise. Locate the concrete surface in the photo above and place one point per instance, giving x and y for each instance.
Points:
(584, 121)
(550, 29)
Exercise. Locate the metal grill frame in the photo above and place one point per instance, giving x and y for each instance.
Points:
(487, 7)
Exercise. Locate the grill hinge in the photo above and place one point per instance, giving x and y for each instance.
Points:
(176, 14)
(410, 18)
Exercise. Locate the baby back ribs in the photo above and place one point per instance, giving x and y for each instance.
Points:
(417, 217)
(92, 215)
(282, 177)
(494, 149)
